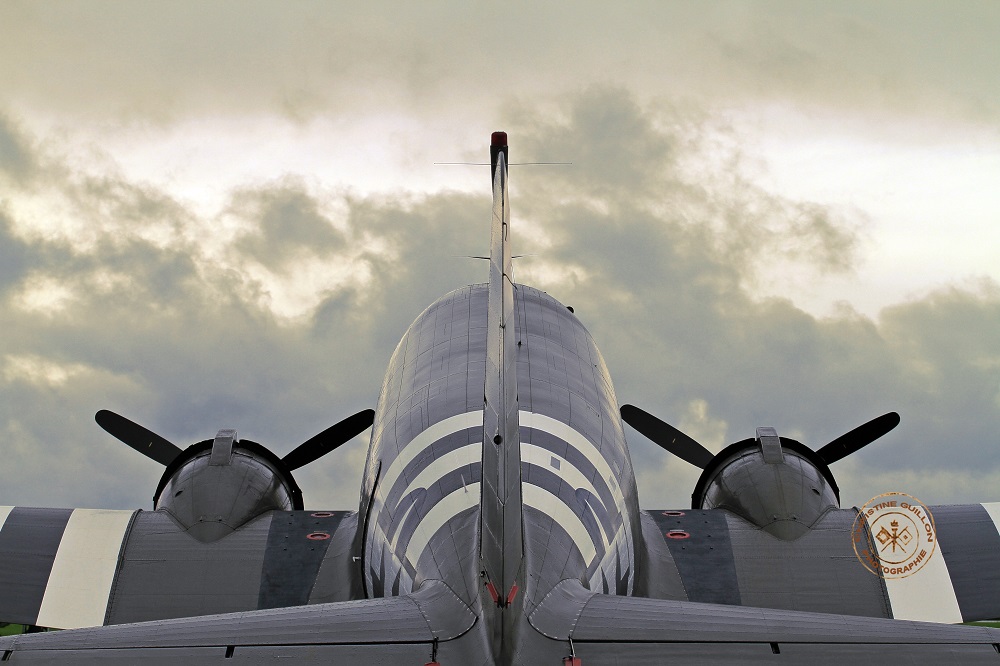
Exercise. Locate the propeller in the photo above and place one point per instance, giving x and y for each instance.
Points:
(682, 446)
(153, 446)
(858, 438)
(328, 440)
(667, 436)
(145, 441)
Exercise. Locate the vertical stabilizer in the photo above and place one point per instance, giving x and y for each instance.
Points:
(501, 546)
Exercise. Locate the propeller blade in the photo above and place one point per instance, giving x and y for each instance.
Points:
(667, 436)
(145, 441)
(858, 438)
(329, 439)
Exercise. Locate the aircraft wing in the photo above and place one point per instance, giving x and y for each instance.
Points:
(629, 630)
(392, 630)
(598, 629)
(595, 629)
(715, 556)
(67, 568)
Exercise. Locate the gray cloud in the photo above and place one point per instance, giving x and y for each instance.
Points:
(15, 154)
(663, 287)
(659, 267)
(306, 59)
(160, 331)
(13, 254)
(288, 221)
(630, 197)
(614, 147)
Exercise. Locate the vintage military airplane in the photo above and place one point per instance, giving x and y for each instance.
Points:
(498, 523)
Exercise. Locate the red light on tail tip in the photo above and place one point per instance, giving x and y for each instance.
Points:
(498, 139)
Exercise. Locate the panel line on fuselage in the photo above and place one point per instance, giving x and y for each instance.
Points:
(580, 443)
(618, 552)
(450, 506)
(564, 469)
(592, 510)
(426, 438)
(464, 456)
(543, 500)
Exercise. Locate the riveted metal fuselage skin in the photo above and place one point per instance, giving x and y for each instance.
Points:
(423, 478)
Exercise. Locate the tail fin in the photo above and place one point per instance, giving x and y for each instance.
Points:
(501, 547)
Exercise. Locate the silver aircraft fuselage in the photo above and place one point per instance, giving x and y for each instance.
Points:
(423, 478)
(497, 450)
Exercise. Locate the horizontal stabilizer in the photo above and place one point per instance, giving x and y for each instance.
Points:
(616, 629)
(406, 628)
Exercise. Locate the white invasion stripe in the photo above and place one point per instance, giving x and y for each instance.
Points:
(4, 512)
(927, 595)
(424, 439)
(447, 463)
(434, 473)
(541, 499)
(992, 508)
(84, 569)
(399, 529)
(536, 455)
(450, 506)
(579, 442)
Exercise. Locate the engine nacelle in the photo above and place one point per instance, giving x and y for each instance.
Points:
(215, 486)
(774, 482)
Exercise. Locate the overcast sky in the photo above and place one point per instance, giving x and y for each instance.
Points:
(226, 215)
